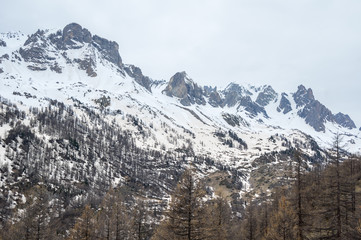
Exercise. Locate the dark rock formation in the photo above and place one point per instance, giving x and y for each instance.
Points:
(266, 96)
(303, 97)
(315, 113)
(344, 120)
(5, 56)
(233, 94)
(109, 50)
(235, 120)
(207, 90)
(34, 54)
(73, 33)
(56, 68)
(2, 43)
(136, 73)
(285, 104)
(36, 68)
(87, 65)
(182, 87)
(253, 108)
(35, 49)
(214, 99)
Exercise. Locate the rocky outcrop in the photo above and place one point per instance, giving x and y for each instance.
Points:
(73, 34)
(2, 43)
(285, 105)
(87, 65)
(344, 120)
(266, 96)
(34, 54)
(315, 113)
(253, 108)
(35, 49)
(109, 50)
(233, 94)
(136, 73)
(181, 86)
(215, 99)
(303, 97)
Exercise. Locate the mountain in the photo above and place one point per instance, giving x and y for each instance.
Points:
(76, 117)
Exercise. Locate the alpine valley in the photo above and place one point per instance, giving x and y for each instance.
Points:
(78, 120)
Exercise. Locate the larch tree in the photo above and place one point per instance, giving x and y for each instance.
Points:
(282, 222)
(185, 218)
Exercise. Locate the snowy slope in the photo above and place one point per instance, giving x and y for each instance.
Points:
(217, 132)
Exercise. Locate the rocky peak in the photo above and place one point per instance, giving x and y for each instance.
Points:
(73, 34)
(183, 87)
(303, 97)
(315, 113)
(266, 96)
(234, 93)
(177, 86)
(236, 88)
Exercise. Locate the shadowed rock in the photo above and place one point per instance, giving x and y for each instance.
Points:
(2, 43)
(109, 50)
(285, 104)
(344, 120)
(136, 73)
(266, 96)
(315, 113)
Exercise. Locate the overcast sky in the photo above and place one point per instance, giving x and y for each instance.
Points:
(283, 43)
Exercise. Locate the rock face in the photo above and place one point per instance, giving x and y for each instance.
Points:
(215, 99)
(38, 49)
(266, 96)
(181, 86)
(233, 94)
(285, 105)
(344, 120)
(73, 33)
(303, 97)
(34, 49)
(109, 49)
(136, 73)
(315, 113)
(253, 108)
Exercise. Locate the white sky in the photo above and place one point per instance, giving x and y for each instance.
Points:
(283, 43)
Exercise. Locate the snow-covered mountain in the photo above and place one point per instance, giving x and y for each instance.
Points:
(235, 128)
